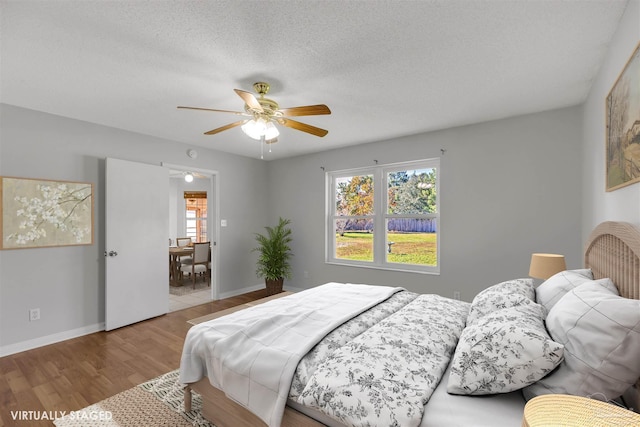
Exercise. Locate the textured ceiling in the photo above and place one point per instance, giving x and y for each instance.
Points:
(385, 68)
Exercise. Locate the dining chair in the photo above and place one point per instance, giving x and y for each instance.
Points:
(199, 264)
(181, 242)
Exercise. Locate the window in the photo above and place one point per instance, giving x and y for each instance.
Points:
(196, 215)
(385, 217)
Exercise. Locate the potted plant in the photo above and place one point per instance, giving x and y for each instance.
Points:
(274, 253)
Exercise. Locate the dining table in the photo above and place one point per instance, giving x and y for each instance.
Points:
(175, 252)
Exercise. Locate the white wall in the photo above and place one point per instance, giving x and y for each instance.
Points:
(173, 209)
(508, 188)
(622, 204)
(67, 283)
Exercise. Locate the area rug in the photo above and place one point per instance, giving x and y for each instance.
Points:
(187, 287)
(158, 402)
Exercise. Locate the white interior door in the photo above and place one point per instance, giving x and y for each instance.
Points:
(137, 242)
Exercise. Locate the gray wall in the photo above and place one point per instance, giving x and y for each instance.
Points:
(67, 283)
(622, 204)
(508, 188)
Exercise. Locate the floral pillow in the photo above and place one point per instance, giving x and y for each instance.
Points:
(504, 351)
(503, 295)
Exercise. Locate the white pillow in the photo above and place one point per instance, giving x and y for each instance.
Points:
(601, 334)
(503, 351)
(555, 287)
(503, 295)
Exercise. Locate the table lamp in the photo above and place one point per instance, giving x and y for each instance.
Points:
(544, 266)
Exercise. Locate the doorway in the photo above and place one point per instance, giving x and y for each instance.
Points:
(189, 217)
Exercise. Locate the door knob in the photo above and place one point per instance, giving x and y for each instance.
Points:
(113, 253)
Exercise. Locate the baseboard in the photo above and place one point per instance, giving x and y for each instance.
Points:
(254, 288)
(18, 347)
(237, 292)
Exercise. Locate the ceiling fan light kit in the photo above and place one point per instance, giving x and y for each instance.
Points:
(256, 129)
(264, 113)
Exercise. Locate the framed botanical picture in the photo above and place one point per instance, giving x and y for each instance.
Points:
(623, 127)
(37, 213)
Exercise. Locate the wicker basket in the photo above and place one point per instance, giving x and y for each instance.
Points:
(274, 286)
(560, 410)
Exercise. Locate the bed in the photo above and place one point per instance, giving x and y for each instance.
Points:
(526, 349)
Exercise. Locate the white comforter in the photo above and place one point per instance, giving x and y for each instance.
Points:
(252, 354)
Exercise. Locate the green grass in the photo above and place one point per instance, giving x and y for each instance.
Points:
(355, 246)
(408, 248)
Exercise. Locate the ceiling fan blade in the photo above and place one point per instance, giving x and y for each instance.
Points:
(303, 127)
(307, 110)
(240, 113)
(226, 127)
(249, 99)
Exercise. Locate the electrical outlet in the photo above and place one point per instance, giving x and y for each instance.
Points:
(34, 314)
(456, 295)
(306, 274)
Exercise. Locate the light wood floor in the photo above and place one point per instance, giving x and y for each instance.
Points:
(70, 375)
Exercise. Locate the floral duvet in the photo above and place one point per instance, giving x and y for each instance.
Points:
(381, 367)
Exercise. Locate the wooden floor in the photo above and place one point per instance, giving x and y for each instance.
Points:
(73, 374)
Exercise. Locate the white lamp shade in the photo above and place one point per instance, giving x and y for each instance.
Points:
(544, 266)
(249, 128)
(255, 128)
(271, 131)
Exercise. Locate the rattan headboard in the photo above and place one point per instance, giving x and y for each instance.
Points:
(613, 251)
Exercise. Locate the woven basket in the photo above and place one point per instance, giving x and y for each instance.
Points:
(560, 410)
(274, 286)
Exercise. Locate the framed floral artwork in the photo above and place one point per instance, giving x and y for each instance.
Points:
(37, 213)
(623, 127)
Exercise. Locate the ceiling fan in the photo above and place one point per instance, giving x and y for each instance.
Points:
(263, 113)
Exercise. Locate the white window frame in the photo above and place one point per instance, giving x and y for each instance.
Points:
(380, 215)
